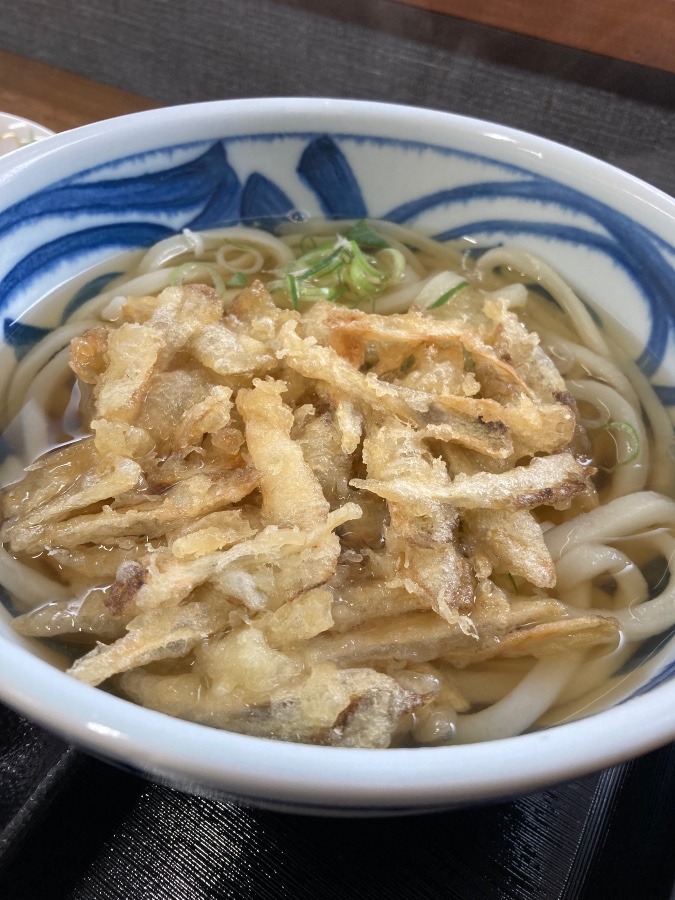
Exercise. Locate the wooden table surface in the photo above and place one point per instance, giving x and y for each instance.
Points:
(58, 99)
(639, 31)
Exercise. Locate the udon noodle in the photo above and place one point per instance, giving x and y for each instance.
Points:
(363, 652)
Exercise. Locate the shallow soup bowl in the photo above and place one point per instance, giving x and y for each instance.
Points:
(78, 199)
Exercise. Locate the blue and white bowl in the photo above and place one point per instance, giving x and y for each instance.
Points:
(79, 198)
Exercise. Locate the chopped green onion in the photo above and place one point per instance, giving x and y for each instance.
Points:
(239, 279)
(448, 295)
(363, 277)
(316, 292)
(293, 290)
(364, 263)
(361, 233)
(325, 265)
(340, 270)
(190, 272)
(633, 442)
(395, 261)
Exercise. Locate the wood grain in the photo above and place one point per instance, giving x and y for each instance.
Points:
(58, 99)
(640, 31)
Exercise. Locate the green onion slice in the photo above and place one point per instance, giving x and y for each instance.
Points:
(340, 270)
(293, 290)
(239, 279)
(633, 442)
(394, 261)
(324, 266)
(448, 295)
(362, 234)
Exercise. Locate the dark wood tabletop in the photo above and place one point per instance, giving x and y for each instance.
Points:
(640, 31)
(59, 99)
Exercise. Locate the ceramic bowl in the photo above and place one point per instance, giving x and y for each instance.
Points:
(76, 199)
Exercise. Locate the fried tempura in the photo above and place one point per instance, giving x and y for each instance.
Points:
(295, 526)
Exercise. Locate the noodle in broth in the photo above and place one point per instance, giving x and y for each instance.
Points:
(612, 559)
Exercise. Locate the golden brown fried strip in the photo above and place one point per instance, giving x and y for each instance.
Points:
(414, 407)
(46, 478)
(358, 602)
(242, 662)
(284, 475)
(255, 314)
(511, 542)
(87, 354)
(417, 636)
(321, 443)
(550, 480)
(418, 327)
(344, 708)
(149, 518)
(423, 542)
(214, 532)
(349, 708)
(122, 439)
(209, 416)
(89, 565)
(424, 636)
(180, 313)
(536, 427)
(132, 354)
(170, 580)
(168, 398)
(437, 370)
(547, 639)
(228, 353)
(159, 634)
(86, 615)
(308, 615)
(94, 486)
(514, 342)
(350, 424)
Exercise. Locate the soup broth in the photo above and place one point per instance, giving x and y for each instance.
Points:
(343, 484)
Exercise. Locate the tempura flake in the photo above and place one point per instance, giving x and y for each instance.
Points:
(311, 520)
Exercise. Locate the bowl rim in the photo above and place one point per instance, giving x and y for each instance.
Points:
(262, 769)
(517, 147)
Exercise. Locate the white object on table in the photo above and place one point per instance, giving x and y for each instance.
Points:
(17, 132)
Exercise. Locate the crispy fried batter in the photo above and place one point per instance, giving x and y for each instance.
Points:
(423, 542)
(158, 634)
(284, 473)
(87, 354)
(416, 407)
(295, 526)
(149, 518)
(549, 480)
(511, 542)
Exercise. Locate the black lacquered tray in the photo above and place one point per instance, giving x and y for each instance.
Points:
(75, 828)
